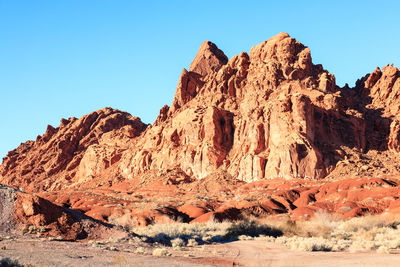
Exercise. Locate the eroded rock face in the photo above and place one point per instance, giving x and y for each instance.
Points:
(38, 212)
(394, 136)
(30, 214)
(270, 113)
(52, 161)
(382, 88)
(19, 210)
(209, 59)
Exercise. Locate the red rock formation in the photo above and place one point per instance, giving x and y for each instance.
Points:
(268, 114)
(53, 160)
(272, 113)
(38, 212)
(394, 136)
(382, 87)
(381, 99)
(35, 215)
(208, 59)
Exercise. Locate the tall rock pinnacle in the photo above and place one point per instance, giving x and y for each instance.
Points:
(209, 58)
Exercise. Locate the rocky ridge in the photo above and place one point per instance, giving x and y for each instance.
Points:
(53, 160)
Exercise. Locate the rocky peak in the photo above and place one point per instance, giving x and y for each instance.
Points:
(282, 58)
(209, 59)
(263, 115)
(382, 88)
(268, 114)
(378, 95)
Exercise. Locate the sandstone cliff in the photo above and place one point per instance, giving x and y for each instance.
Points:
(271, 113)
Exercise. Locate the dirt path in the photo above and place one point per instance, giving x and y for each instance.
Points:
(37, 252)
(240, 253)
(261, 253)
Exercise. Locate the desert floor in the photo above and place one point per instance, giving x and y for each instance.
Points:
(41, 252)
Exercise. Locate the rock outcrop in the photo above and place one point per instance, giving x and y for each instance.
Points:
(52, 161)
(31, 214)
(379, 99)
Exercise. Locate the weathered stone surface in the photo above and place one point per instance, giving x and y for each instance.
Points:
(377, 96)
(270, 114)
(188, 87)
(52, 161)
(209, 59)
(22, 212)
(394, 136)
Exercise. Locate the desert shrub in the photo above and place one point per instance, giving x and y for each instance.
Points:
(162, 239)
(32, 229)
(7, 262)
(328, 233)
(192, 242)
(140, 250)
(306, 244)
(200, 233)
(251, 229)
(320, 225)
(383, 249)
(161, 252)
(323, 232)
(164, 233)
(178, 242)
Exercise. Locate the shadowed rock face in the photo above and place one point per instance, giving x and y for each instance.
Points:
(270, 113)
(379, 100)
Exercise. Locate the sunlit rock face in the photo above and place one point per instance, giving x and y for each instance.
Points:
(271, 113)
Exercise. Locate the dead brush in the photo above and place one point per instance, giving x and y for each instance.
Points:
(250, 228)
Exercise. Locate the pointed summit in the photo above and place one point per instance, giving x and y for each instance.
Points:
(209, 58)
(283, 58)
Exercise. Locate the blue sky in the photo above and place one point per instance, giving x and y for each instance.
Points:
(60, 59)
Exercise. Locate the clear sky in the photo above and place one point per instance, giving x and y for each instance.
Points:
(67, 58)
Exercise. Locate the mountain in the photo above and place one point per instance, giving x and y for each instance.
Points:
(270, 115)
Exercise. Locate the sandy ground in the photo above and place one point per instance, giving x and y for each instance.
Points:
(261, 253)
(40, 252)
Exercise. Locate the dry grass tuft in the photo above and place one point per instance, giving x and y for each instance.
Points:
(161, 252)
(182, 234)
(323, 232)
